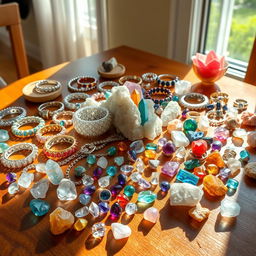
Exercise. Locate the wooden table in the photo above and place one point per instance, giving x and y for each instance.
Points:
(21, 233)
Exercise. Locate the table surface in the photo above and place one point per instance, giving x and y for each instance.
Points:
(21, 233)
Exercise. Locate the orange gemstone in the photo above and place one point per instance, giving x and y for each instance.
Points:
(212, 169)
(150, 154)
(199, 172)
(80, 224)
(122, 146)
(135, 96)
(214, 186)
(199, 213)
(215, 158)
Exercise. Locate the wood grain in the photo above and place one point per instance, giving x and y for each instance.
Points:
(21, 233)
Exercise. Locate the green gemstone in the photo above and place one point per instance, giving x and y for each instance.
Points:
(245, 155)
(39, 207)
(190, 125)
(191, 164)
(143, 108)
(175, 98)
(146, 197)
(91, 159)
(79, 171)
(3, 147)
(151, 146)
(112, 151)
(129, 190)
(111, 170)
(107, 94)
(62, 123)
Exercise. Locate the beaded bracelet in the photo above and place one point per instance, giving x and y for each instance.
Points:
(46, 113)
(98, 96)
(159, 91)
(64, 118)
(27, 120)
(75, 96)
(21, 162)
(41, 86)
(11, 111)
(85, 83)
(199, 101)
(149, 77)
(167, 80)
(57, 154)
(107, 83)
(134, 79)
(42, 138)
(215, 118)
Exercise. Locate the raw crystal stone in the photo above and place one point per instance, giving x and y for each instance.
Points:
(119, 160)
(234, 166)
(214, 186)
(161, 142)
(187, 177)
(79, 171)
(239, 133)
(212, 169)
(229, 208)
(39, 207)
(203, 124)
(11, 177)
(54, 172)
(104, 181)
(13, 188)
(151, 214)
(232, 184)
(105, 195)
(40, 167)
(126, 169)
(115, 211)
(165, 186)
(144, 183)
(139, 165)
(215, 158)
(172, 111)
(147, 197)
(40, 188)
(179, 139)
(229, 153)
(111, 151)
(170, 168)
(155, 178)
(3, 147)
(224, 174)
(199, 147)
(150, 154)
(84, 199)
(168, 148)
(143, 109)
(120, 231)
(132, 155)
(122, 146)
(80, 224)
(104, 207)
(248, 119)
(190, 125)
(221, 134)
(121, 178)
(182, 87)
(153, 164)
(133, 86)
(174, 125)
(111, 170)
(191, 164)
(135, 176)
(129, 190)
(137, 146)
(25, 179)
(94, 210)
(216, 145)
(180, 153)
(199, 172)
(249, 170)
(87, 180)
(244, 155)
(151, 146)
(4, 136)
(135, 96)
(66, 190)
(131, 208)
(60, 221)
(89, 190)
(185, 194)
(231, 123)
(102, 162)
(91, 159)
(192, 136)
(122, 200)
(82, 212)
(251, 139)
(199, 213)
(98, 230)
(115, 190)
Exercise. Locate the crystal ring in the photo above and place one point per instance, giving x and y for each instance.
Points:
(167, 80)
(45, 113)
(42, 138)
(159, 91)
(47, 86)
(101, 86)
(68, 100)
(149, 77)
(84, 83)
(57, 154)
(98, 96)
(19, 113)
(194, 101)
(214, 118)
(134, 79)
(21, 162)
(219, 96)
(24, 121)
(92, 121)
(240, 104)
(63, 118)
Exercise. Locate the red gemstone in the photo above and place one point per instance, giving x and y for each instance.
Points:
(122, 200)
(199, 172)
(199, 147)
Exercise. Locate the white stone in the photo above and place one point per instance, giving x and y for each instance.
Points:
(82, 212)
(155, 178)
(135, 177)
(179, 139)
(180, 153)
(185, 194)
(94, 210)
(251, 139)
(234, 165)
(153, 164)
(151, 214)
(229, 208)
(203, 124)
(240, 133)
(104, 181)
(182, 87)
(40, 167)
(87, 180)
(131, 208)
(139, 165)
(25, 179)
(40, 188)
(13, 188)
(250, 170)
(54, 172)
(171, 111)
(66, 190)
(102, 162)
(120, 231)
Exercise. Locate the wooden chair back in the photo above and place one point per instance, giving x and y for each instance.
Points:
(250, 76)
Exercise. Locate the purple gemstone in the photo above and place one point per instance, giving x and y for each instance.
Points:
(170, 168)
(115, 211)
(224, 174)
(11, 177)
(115, 190)
(216, 145)
(121, 179)
(161, 142)
(168, 148)
(104, 207)
(184, 113)
(132, 155)
(89, 190)
(97, 172)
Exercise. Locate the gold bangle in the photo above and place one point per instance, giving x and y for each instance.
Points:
(134, 79)
(219, 96)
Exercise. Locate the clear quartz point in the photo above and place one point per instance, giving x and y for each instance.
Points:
(87, 180)
(155, 178)
(94, 210)
(82, 212)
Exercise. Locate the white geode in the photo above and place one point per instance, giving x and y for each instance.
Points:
(171, 111)
(250, 170)
(120, 231)
(185, 194)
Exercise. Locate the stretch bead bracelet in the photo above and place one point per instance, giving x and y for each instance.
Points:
(159, 91)
(75, 96)
(45, 113)
(57, 154)
(27, 120)
(149, 77)
(84, 83)
(64, 118)
(47, 86)
(107, 83)
(134, 79)
(21, 162)
(11, 111)
(98, 96)
(198, 101)
(167, 80)
(42, 138)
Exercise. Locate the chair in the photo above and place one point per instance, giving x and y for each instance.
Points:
(10, 17)
(250, 76)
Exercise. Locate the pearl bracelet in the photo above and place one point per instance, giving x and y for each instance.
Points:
(41, 86)
(85, 83)
(42, 138)
(11, 111)
(61, 118)
(194, 101)
(106, 83)
(134, 79)
(21, 162)
(149, 77)
(27, 120)
(46, 113)
(159, 91)
(75, 96)
(167, 80)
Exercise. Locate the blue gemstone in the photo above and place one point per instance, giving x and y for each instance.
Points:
(111, 170)
(105, 195)
(225, 107)
(4, 136)
(121, 179)
(167, 83)
(232, 183)
(175, 98)
(39, 207)
(84, 199)
(143, 108)
(132, 155)
(104, 207)
(3, 147)
(192, 136)
(62, 123)
(245, 155)
(172, 83)
(218, 106)
(187, 177)
(165, 186)
(210, 106)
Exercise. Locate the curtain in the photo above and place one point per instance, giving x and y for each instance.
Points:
(69, 29)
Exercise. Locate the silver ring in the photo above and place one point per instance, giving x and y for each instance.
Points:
(59, 118)
(75, 96)
(45, 113)
(53, 86)
(106, 83)
(87, 88)
(10, 111)
(201, 101)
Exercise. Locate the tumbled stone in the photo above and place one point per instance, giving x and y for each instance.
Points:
(214, 186)
(131, 208)
(191, 164)
(150, 154)
(4, 136)
(143, 183)
(146, 197)
(170, 168)
(40, 167)
(98, 230)
(250, 170)
(231, 123)
(187, 177)
(138, 146)
(190, 125)
(87, 180)
(179, 139)
(119, 160)
(102, 162)
(153, 164)
(171, 111)
(251, 139)
(151, 214)
(135, 176)
(215, 158)
(239, 133)
(25, 179)
(104, 181)
(168, 148)
(126, 169)
(80, 224)
(39, 207)
(139, 165)
(84, 199)
(94, 210)
(54, 172)
(155, 178)
(234, 166)
(13, 188)
(199, 213)
(79, 171)
(212, 169)
(66, 190)
(3, 147)
(229, 208)
(82, 212)
(120, 231)
(40, 188)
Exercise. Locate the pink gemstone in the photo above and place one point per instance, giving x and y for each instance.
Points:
(133, 86)
(170, 168)
(151, 214)
(221, 134)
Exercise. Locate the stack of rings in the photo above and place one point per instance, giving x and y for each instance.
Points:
(21, 162)
(45, 113)
(27, 120)
(47, 86)
(240, 104)
(194, 101)
(64, 118)
(11, 111)
(57, 154)
(75, 96)
(219, 96)
(42, 138)
(84, 83)
(134, 79)
(159, 91)
(167, 80)
(106, 83)
(149, 77)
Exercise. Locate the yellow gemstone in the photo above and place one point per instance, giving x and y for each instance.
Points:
(122, 146)
(135, 96)
(215, 158)
(214, 186)
(80, 224)
(150, 154)
(212, 169)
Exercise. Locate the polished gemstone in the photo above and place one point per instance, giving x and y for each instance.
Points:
(79, 171)
(146, 197)
(153, 164)
(224, 174)
(150, 154)
(54, 172)
(105, 195)
(229, 208)
(180, 153)
(122, 146)
(214, 186)
(84, 199)
(4, 136)
(151, 214)
(119, 160)
(216, 145)
(191, 164)
(115, 211)
(161, 142)
(80, 224)
(179, 139)
(115, 190)
(187, 177)
(139, 165)
(203, 124)
(199, 147)
(143, 109)
(129, 190)
(104, 207)
(97, 172)
(98, 230)
(89, 190)
(192, 136)
(122, 200)
(121, 178)
(135, 96)
(11, 177)
(131, 208)
(165, 186)
(39, 207)
(40, 167)
(111, 170)
(66, 190)
(212, 169)
(143, 183)
(199, 172)
(82, 212)
(120, 231)
(126, 169)
(102, 162)
(25, 179)
(221, 134)
(91, 159)
(13, 188)
(232, 184)
(155, 178)
(138, 146)
(94, 210)
(168, 149)
(151, 146)
(111, 151)
(132, 155)
(135, 176)
(87, 180)
(3, 147)
(215, 158)
(245, 155)
(234, 166)
(40, 188)
(190, 125)
(104, 181)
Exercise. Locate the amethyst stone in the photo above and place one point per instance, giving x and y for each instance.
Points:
(121, 179)
(132, 155)
(104, 207)
(216, 145)
(168, 148)
(115, 190)
(89, 190)
(97, 173)
(224, 174)
(184, 113)
(11, 177)
(161, 142)
(170, 168)
(115, 211)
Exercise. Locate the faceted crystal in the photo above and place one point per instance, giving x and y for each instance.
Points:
(153, 164)
(111, 151)
(80, 224)
(169, 148)
(25, 179)
(165, 186)
(97, 172)
(11, 177)
(89, 190)
(221, 134)
(115, 211)
(104, 181)
(40, 188)
(115, 190)
(66, 190)
(4, 136)
(13, 188)
(216, 145)
(79, 171)
(144, 183)
(91, 159)
(138, 146)
(94, 210)
(105, 195)
(190, 125)
(146, 197)
(179, 139)
(229, 208)
(224, 174)
(39, 207)
(120, 231)
(129, 190)
(232, 184)
(40, 167)
(102, 162)
(84, 199)
(111, 170)
(245, 155)
(132, 155)
(180, 153)
(87, 180)
(151, 146)
(155, 178)
(150, 154)
(199, 172)
(122, 179)
(82, 212)
(161, 142)
(151, 214)
(191, 164)
(98, 230)
(199, 147)
(187, 177)
(131, 208)
(126, 169)
(54, 172)
(135, 176)
(170, 168)
(122, 200)
(119, 160)
(139, 165)
(104, 207)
